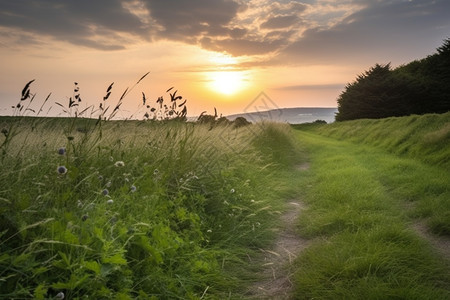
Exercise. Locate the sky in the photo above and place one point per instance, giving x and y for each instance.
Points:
(233, 55)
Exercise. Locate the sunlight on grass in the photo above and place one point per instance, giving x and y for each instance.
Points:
(133, 208)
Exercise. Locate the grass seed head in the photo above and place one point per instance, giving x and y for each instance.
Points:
(133, 188)
(105, 192)
(110, 201)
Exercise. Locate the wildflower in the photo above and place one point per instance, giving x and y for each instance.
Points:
(108, 184)
(133, 188)
(105, 192)
(84, 218)
(209, 230)
(62, 151)
(60, 295)
(156, 172)
(111, 158)
(61, 170)
(79, 204)
(100, 177)
(232, 191)
(119, 163)
(110, 201)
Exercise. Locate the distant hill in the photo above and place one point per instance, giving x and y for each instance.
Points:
(296, 115)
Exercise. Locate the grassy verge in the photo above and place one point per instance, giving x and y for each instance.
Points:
(136, 210)
(361, 201)
(425, 138)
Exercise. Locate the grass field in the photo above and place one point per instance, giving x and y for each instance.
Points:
(134, 209)
(176, 210)
(365, 198)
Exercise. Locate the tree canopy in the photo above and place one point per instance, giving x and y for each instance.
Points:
(420, 87)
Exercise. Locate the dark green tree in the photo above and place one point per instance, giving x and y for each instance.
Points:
(416, 88)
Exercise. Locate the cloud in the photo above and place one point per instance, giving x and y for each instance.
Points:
(288, 32)
(241, 47)
(184, 19)
(280, 22)
(79, 22)
(386, 30)
(337, 86)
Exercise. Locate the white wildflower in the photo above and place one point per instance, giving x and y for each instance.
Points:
(119, 163)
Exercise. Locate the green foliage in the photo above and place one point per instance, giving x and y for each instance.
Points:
(416, 88)
(213, 120)
(144, 209)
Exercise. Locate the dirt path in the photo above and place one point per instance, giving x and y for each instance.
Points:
(277, 282)
(440, 243)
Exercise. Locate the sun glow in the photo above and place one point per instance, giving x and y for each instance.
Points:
(227, 82)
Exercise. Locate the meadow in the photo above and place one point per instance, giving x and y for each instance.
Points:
(168, 209)
(136, 209)
(378, 210)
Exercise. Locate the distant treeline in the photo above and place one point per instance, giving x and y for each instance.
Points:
(420, 87)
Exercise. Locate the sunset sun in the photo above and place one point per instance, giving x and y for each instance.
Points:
(227, 82)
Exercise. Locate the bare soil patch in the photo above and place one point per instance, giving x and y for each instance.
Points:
(440, 243)
(278, 262)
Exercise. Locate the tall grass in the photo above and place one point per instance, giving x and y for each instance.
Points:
(145, 209)
(136, 209)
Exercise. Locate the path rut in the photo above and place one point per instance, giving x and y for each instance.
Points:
(278, 273)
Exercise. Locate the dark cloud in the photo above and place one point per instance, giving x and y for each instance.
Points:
(240, 47)
(298, 30)
(280, 22)
(387, 30)
(78, 22)
(183, 19)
